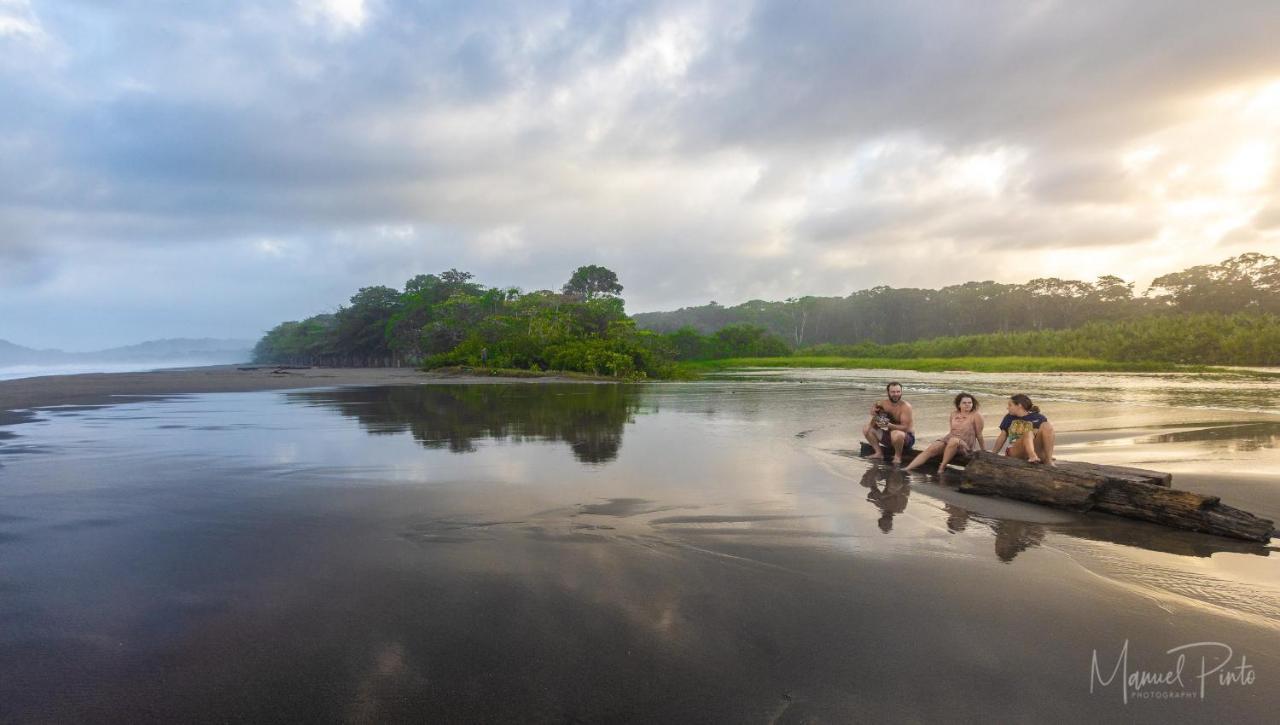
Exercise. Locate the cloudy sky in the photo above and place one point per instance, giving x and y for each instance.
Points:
(210, 169)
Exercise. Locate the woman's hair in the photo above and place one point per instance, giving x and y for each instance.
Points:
(962, 396)
(1024, 400)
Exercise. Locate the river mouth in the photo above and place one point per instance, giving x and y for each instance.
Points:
(551, 552)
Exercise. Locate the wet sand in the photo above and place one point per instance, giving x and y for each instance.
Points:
(674, 552)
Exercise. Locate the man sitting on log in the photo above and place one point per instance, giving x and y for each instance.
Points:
(890, 426)
(1029, 432)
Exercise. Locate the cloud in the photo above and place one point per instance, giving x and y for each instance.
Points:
(701, 149)
(1268, 218)
(340, 16)
(1101, 181)
(17, 19)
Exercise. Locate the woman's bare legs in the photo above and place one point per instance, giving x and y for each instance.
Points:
(1028, 443)
(949, 452)
(925, 455)
(1024, 448)
(1045, 441)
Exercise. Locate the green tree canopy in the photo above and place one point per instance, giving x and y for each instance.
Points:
(592, 281)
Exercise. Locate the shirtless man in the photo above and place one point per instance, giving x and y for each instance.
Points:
(890, 425)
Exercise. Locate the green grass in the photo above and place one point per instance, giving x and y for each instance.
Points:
(937, 364)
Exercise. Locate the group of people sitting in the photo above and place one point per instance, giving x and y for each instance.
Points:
(1027, 432)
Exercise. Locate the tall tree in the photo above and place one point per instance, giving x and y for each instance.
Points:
(592, 281)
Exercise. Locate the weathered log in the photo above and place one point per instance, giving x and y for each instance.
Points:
(1181, 509)
(995, 475)
(1082, 489)
(1116, 473)
(1119, 473)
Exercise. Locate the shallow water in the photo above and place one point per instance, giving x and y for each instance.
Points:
(1255, 390)
(686, 551)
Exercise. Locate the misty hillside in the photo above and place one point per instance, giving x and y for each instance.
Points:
(208, 350)
(887, 315)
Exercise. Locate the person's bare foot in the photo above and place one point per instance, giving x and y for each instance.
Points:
(897, 460)
(941, 469)
(1034, 459)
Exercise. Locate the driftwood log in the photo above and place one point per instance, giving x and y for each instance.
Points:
(1117, 473)
(1132, 493)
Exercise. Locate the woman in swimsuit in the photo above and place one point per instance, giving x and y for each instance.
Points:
(965, 436)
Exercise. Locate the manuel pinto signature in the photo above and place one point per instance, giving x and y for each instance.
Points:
(1212, 663)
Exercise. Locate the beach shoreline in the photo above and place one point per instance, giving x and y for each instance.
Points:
(107, 388)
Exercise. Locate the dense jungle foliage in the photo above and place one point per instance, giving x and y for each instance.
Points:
(1248, 283)
(1205, 339)
(449, 320)
(1227, 313)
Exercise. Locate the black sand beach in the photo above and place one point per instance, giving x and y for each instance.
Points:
(548, 553)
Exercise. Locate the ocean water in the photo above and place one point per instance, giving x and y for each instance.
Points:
(701, 551)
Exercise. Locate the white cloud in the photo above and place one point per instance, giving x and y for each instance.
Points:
(339, 16)
(18, 19)
(505, 241)
(701, 150)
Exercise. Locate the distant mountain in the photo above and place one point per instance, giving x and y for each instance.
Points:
(203, 350)
(11, 354)
(179, 349)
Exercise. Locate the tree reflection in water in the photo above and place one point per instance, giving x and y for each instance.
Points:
(590, 418)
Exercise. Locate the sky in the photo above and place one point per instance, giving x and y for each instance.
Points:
(210, 169)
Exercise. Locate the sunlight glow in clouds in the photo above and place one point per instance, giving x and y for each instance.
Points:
(341, 16)
(1208, 176)
(263, 161)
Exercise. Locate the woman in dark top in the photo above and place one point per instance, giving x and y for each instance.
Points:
(1028, 431)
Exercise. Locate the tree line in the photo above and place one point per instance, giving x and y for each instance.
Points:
(1212, 314)
(448, 319)
(1243, 338)
(887, 315)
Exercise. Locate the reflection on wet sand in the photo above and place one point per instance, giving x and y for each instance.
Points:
(1014, 536)
(888, 489)
(716, 570)
(590, 418)
(1153, 537)
(1243, 437)
(1011, 537)
(957, 518)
